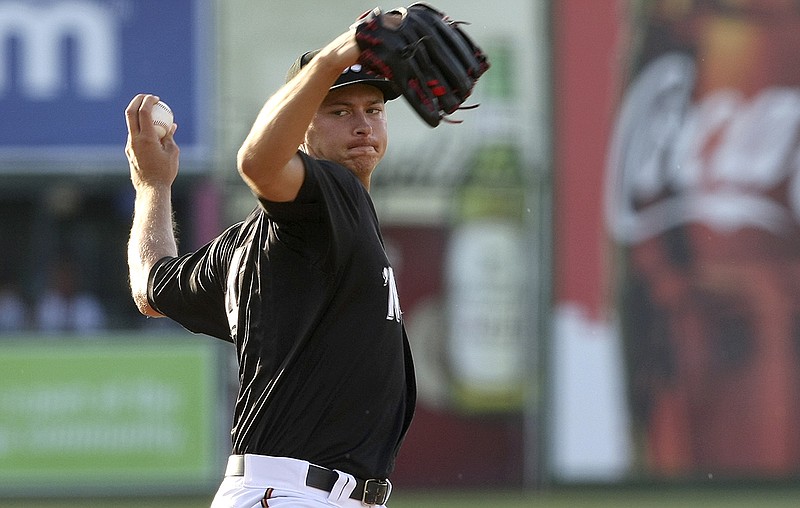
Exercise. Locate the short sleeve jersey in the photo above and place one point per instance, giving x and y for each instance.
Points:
(307, 295)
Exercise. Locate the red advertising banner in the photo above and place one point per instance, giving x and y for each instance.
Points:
(702, 205)
(450, 444)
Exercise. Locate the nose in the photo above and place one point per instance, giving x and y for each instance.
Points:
(362, 125)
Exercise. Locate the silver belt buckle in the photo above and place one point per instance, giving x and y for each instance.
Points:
(375, 492)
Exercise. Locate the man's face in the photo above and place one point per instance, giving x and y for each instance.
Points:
(350, 128)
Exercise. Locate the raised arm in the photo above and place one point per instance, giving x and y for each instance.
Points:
(268, 160)
(154, 167)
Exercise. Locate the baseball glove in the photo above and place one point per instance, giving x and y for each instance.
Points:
(426, 54)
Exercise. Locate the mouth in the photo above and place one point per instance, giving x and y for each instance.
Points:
(361, 148)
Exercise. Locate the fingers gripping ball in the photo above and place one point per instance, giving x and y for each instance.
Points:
(428, 55)
(162, 118)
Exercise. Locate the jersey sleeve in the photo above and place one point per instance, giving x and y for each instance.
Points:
(324, 218)
(189, 289)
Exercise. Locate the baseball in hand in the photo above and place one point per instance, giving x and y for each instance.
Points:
(162, 118)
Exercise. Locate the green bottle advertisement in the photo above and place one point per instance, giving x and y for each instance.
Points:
(486, 265)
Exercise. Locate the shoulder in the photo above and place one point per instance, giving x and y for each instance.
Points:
(324, 181)
(326, 169)
(331, 178)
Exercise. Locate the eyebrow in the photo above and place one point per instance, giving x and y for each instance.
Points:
(351, 103)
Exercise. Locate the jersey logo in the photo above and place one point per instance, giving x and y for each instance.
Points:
(393, 312)
(232, 291)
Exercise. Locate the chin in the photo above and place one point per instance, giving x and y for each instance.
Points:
(361, 166)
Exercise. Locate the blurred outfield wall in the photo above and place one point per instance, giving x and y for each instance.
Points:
(596, 266)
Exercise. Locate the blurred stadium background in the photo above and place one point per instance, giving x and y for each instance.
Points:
(597, 267)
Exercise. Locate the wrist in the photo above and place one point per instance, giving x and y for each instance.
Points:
(340, 53)
(152, 187)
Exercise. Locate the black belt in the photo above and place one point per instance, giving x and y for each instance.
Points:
(369, 492)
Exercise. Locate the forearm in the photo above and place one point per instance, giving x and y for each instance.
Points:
(152, 238)
(280, 127)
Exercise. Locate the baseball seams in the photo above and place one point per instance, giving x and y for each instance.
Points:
(162, 118)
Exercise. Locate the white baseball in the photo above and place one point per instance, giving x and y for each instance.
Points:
(162, 118)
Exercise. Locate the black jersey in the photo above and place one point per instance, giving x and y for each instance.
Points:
(307, 295)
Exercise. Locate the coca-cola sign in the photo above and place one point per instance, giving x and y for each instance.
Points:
(715, 161)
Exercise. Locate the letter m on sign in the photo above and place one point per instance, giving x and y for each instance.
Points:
(43, 31)
(69, 67)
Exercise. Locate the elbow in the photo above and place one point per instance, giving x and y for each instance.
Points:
(138, 285)
(252, 172)
(143, 304)
(246, 165)
(275, 179)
